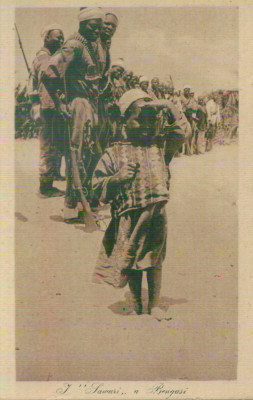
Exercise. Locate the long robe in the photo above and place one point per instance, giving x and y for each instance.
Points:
(136, 235)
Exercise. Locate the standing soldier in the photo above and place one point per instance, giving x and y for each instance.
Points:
(80, 64)
(44, 109)
(213, 119)
(110, 25)
(109, 99)
(106, 98)
(162, 90)
(189, 108)
(154, 92)
(134, 83)
(144, 84)
(201, 125)
(127, 77)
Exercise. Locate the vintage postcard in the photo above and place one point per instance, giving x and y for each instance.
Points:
(126, 207)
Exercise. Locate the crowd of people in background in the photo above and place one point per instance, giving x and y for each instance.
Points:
(78, 80)
(118, 133)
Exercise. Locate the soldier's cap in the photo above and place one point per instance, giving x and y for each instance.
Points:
(130, 97)
(143, 79)
(87, 13)
(116, 20)
(187, 87)
(48, 28)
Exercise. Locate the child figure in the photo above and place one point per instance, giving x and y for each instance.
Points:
(133, 177)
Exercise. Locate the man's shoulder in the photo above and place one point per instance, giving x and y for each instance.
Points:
(41, 55)
(43, 52)
(75, 40)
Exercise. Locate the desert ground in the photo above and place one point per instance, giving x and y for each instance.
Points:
(68, 328)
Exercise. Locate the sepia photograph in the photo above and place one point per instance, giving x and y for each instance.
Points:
(118, 275)
(126, 156)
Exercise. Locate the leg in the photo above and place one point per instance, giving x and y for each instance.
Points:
(47, 156)
(154, 278)
(134, 282)
(76, 161)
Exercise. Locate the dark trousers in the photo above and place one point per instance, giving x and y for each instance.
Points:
(51, 133)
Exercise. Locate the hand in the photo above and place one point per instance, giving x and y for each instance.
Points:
(127, 172)
(63, 110)
(172, 112)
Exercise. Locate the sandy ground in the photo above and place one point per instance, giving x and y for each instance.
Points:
(70, 329)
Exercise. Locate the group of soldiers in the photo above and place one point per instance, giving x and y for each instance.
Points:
(75, 91)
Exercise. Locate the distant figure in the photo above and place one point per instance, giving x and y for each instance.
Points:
(162, 90)
(144, 83)
(201, 115)
(127, 77)
(109, 100)
(213, 119)
(190, 106)
(154, 92)
(134, 83)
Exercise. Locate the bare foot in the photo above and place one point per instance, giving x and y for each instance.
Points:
(159, 314)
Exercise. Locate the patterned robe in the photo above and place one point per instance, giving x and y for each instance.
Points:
(136, 235)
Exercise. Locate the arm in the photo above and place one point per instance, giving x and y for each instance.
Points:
(56, 68)
(107, 179)
(176, 134)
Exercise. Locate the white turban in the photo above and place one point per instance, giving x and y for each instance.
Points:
(118, 63)
(49, 28)
(129, 97)
(91, 13)
(143, 79)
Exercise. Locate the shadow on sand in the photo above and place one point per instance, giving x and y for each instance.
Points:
(124, 307)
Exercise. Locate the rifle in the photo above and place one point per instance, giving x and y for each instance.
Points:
(21, 46)
(88, 217)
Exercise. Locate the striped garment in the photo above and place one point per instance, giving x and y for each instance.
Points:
(150, 184)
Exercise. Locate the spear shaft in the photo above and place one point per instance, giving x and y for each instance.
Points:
(21, 46)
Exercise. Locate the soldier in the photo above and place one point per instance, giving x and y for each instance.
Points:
(134, 83)
(154, 92)
(109, 27)
(162, 90)
(201, 126)
(144, 83)
(49, 142)
(127, 77)
(213, 119)
(80, 64)
(107, 125)
(114, 89)
(189, 108)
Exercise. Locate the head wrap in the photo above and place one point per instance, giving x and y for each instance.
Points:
(47, 29)
(114, 16)
(170, 84)
(87, 13)
(143, 79)
(129, 97)
(187, 87)
(118, 63)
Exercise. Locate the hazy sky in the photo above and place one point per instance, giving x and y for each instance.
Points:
(195, 45)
